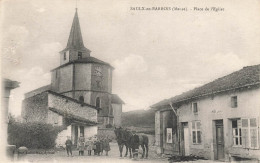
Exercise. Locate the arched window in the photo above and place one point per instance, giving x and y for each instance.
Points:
(98, 102)
(81, 99)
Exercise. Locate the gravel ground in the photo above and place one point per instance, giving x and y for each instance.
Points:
(113, 157)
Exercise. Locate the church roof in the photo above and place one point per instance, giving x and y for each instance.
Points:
(75, 40)
(72, 116)
(85, 60)
(116, 99)
(245, 78)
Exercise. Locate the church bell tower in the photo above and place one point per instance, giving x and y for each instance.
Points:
(83, 77)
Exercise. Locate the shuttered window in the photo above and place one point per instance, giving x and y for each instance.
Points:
(250, 133)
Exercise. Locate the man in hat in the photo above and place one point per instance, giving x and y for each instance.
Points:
(68, 144)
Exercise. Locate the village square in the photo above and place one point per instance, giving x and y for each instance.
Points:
(81, 115)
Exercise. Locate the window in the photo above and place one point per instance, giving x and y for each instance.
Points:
(98, 102)
(250, 133)
(196, 132)
(79, 55)
(56, 74)
(234, 101)
(64, 56)
(81, 99)
(195, 108)
(236, 130)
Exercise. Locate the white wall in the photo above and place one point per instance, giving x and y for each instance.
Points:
(219, 107)
(62, 137)
(90, 131)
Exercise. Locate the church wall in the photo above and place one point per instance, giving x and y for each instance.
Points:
(70, 106)
(54, 118)
(105, 101)
(55, 80)
(82, 76)
(117, 112)
(73, 54)
(64, 57)
(104, 79)
(65, 78)
(34, 109)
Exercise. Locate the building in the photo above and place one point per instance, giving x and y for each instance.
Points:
(80, 94)
(218, 121)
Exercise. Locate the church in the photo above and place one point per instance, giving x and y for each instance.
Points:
(79, 96)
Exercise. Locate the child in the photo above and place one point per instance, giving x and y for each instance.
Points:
(81, 144)
(68, 144)
(106, 145)
(89, 146)
(98, 147)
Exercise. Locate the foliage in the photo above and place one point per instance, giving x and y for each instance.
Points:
(32, 135)
(138, 118)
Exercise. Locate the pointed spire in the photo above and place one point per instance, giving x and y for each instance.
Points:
(75, 39)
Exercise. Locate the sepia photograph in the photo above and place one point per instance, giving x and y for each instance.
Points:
(103, 81)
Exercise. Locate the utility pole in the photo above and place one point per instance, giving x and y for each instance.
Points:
(178, 126)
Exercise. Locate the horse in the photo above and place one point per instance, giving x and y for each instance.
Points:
(122, 139)
(131, 141)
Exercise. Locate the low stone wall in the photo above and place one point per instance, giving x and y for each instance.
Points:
(102, 132)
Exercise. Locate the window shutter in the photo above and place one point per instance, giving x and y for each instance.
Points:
(194, 136)
(254, 133)
(245, 136)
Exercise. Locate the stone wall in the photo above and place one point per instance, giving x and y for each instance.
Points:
(35, 109)
(54, 118)
(77, 109)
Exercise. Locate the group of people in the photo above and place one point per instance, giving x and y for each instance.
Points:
(97, 145)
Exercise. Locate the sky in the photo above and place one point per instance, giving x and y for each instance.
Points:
(156, 54)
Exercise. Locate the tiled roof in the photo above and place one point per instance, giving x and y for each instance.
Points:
(72, 116)
(116, 99)
(85, 60)
(247, 76)
(37, 91)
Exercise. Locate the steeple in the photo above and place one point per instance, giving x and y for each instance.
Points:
(75, 39)
(75, 47)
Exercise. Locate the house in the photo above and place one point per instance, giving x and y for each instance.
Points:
(218, 120)
(79, 96)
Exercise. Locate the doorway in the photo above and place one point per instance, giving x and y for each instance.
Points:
(220, 139)
(186, 139)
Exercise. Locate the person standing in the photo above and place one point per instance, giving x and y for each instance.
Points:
(89, 146)
(98, 147)
(68, 144)
(106, 145)
(81, 144)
